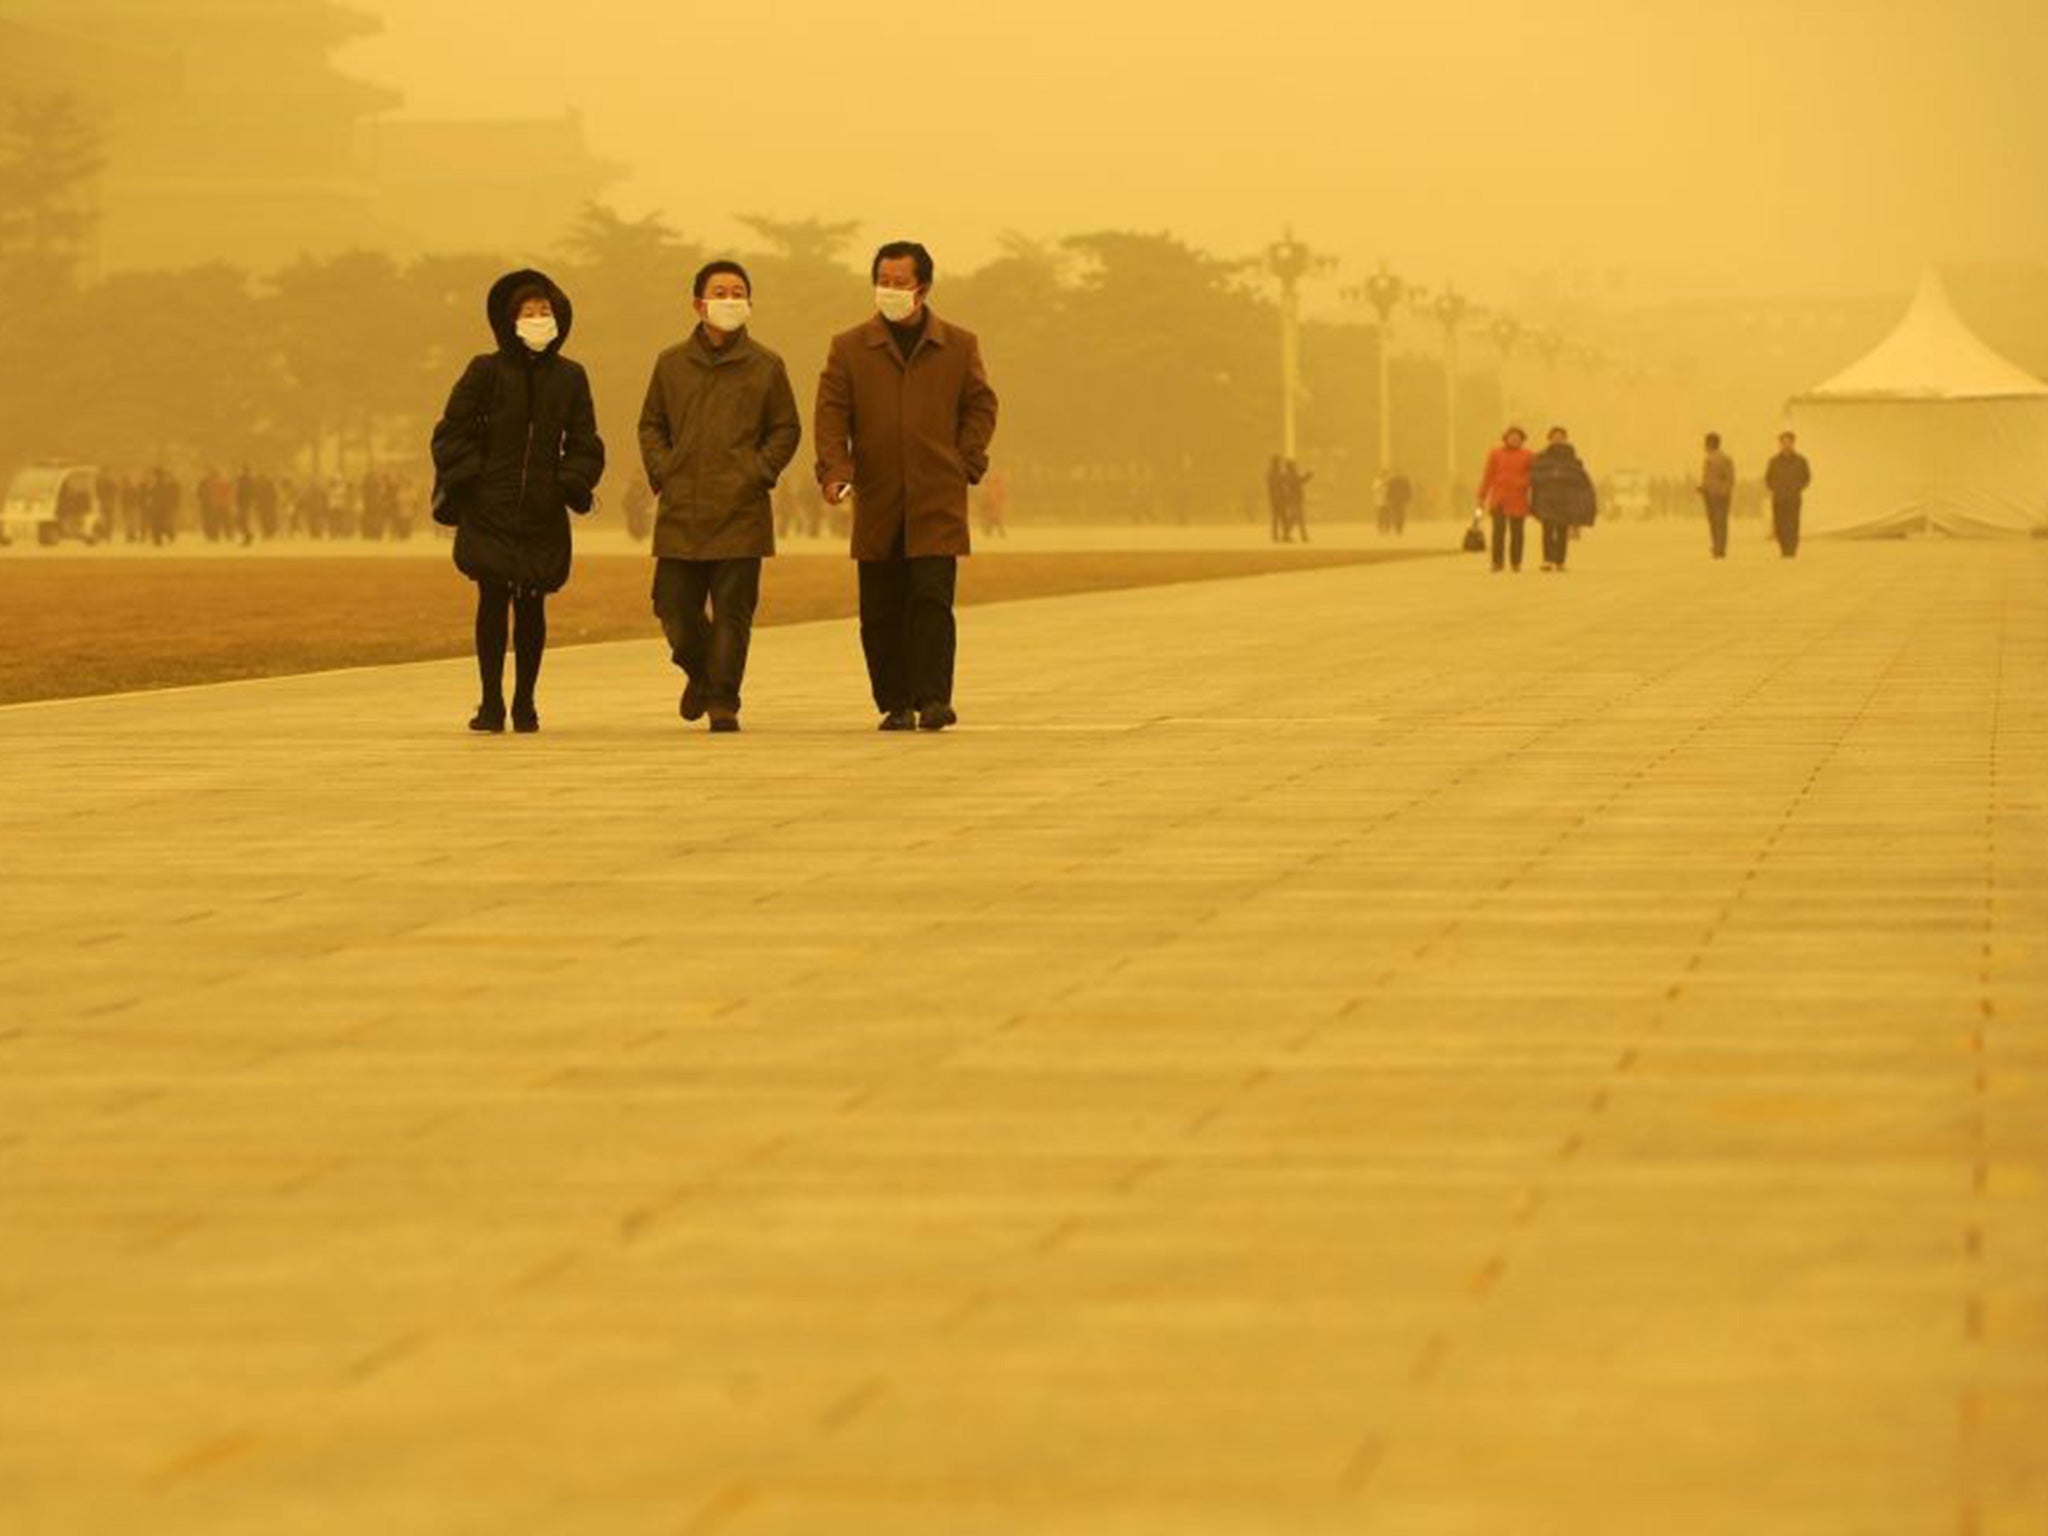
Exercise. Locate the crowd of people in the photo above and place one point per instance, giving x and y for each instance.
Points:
(155, 507)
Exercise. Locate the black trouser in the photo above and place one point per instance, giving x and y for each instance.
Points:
(1785, 525)
(706, 608)
(1557, 543)
(1507, 537)
(1717, 522)
(529, 639)
(907, 629)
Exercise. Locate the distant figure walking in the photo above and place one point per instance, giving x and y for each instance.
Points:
(1276, 499)
(165, 497)
(1392, 492)
(905, 415)
(995, 505)
(639, 508)
(718, 428)
(1717, 490)
(1787, 477)
(1504, 496)
(515, 450)
(1297, 499)
(1562, 496)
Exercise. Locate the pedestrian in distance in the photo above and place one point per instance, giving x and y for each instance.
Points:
(1717, 490)
(905, 415)
(995, 505)
(1787, 477)
(166, 498)
(718, 428)
(1277, 500)
(639, 509)
(1561, 495)
(1504, 496)
(1297, 499)
(514, 452)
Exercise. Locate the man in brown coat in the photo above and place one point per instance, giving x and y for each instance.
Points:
(905, 415)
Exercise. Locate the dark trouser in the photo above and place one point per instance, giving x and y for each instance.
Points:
(907, 629)
(1557, 543)
(1717, 524)
(706, 608)
(1507, 538)
(529, 639)
(1785, 525)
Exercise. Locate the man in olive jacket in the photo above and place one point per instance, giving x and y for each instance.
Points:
(1788, 475)
(905, 416)
(719, 427)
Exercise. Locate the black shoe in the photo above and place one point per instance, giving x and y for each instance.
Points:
(692, 706)
(936, 717)
(899, 720)
(525, 720)
(724, 720)
(489, 718)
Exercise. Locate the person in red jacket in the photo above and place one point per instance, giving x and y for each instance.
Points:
(1504, 495)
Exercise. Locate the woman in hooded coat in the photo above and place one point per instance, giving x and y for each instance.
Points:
(516, 449)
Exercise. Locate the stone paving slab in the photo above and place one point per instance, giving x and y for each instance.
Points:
(1388, 1050)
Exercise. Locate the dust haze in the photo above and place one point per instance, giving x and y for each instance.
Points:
(1648, 219)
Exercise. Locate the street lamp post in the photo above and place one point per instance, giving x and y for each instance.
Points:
(1382, 293)
(1506, 331)
(1449, 309)
(1289, 261)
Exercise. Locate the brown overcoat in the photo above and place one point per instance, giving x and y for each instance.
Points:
(909, 437)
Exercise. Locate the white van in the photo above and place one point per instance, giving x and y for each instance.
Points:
(53, 502)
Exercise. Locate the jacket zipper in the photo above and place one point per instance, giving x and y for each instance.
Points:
(525, 475)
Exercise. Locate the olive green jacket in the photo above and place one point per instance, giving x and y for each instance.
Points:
(719, 427)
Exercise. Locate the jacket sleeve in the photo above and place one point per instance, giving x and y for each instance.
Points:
(655, 442)
(782, 428)
(582, 448)
(977, 417)
(832, 430)
(458, 448)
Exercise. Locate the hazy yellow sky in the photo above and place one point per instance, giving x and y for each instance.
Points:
(1743, 145)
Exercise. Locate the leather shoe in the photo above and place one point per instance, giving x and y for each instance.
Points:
(692, 706)
(936, 717)
(899, 720)
(488, 718)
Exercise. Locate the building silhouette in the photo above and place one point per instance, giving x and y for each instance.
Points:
(231, 135)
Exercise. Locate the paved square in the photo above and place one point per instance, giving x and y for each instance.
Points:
(1394, 1050)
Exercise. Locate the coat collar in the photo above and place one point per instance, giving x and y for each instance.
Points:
(876, 332)
(705, 355)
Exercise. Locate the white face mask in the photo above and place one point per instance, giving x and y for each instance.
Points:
(897, 304)
(728, 315)
(538, 332)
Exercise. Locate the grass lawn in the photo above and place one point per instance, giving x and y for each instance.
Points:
(111, 625)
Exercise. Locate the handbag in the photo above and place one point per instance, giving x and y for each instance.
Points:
(448, 499)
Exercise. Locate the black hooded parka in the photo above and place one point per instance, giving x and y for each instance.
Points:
(517, 448)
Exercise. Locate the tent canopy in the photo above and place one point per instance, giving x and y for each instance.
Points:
(1932, 355)
(1931, 432)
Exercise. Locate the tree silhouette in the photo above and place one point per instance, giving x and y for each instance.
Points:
(50, 159)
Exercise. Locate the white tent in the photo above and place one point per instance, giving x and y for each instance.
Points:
(1931, 432)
